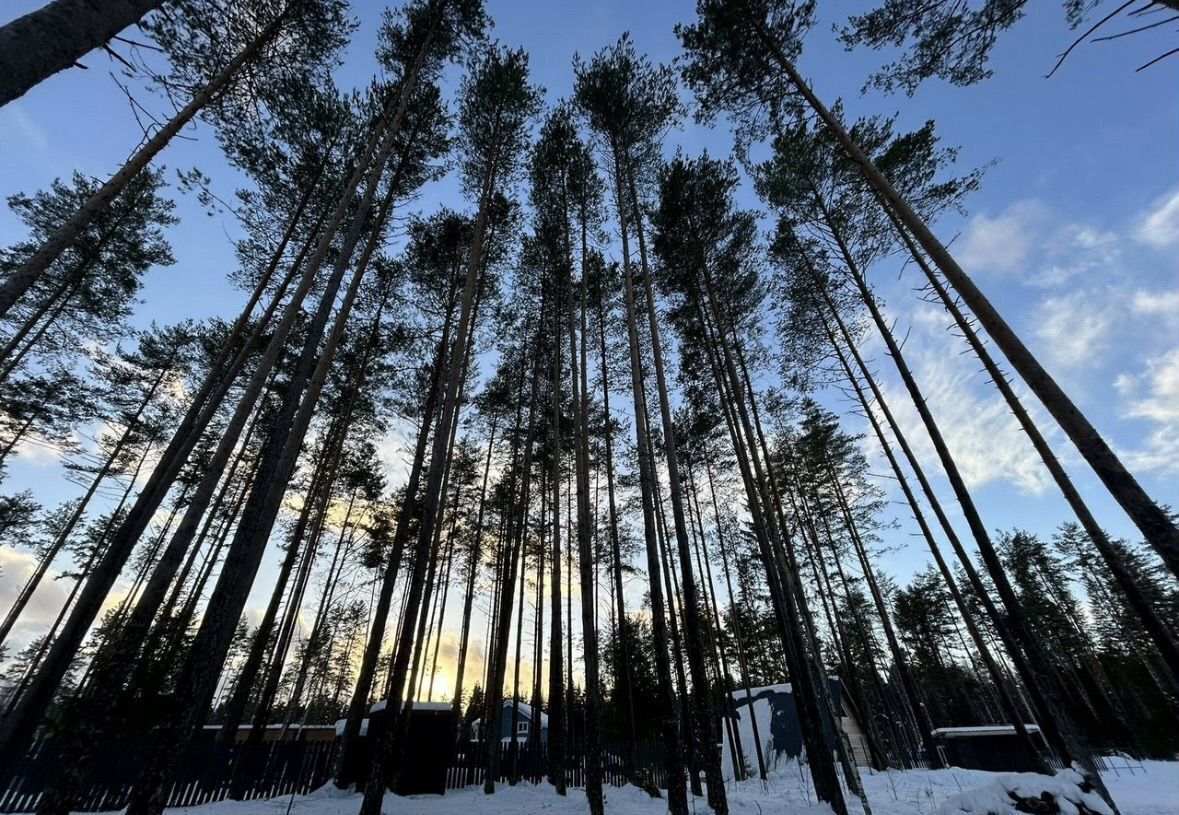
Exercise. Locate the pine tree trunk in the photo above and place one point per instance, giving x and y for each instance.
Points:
(739, 642)
(384, 754)
(18, 729)
(515, 534)
(783, 597)
(706, 735)
(30, 271)
(59, 541)
(54, 37)
(998, 677)
(585, 554)
(557, 668)
(677, 801)
(1160, 531)
(1162, 637)
(474, 562)
(624, 672)
(1062, 733)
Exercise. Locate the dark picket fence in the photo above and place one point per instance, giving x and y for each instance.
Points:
(641, 764)
(204, 775)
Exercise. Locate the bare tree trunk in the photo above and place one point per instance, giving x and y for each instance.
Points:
(742, 664)
(1057, 723)
(474, 562)
(18, 729)
(30, 585)
(706, 735)
(998, 677)
(557, 668)
(677, 800)
(384, 754)
(65, 16)
(1162, 637)
(1160, 531)
(54, 37)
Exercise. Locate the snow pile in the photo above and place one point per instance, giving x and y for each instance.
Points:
(1062, 794)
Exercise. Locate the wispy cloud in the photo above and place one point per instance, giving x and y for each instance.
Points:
(1160, 226)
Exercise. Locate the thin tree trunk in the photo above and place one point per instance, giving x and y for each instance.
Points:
(30, 271)
(63, 535)
(703, 713)
(1162, 637)
(19, 728)
(1160, 531)
(677, 801)
(998, 677)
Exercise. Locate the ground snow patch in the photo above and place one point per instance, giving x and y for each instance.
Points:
(1028, 792)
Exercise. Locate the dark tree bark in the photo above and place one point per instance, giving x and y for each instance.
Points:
(54, 37)
(677, 801)
(23, 278)
(1151, 519)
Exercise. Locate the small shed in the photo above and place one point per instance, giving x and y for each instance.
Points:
(993, 747)
(427, 755)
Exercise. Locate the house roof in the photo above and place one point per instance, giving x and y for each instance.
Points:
(380, 705)
(980, 730)
(525, 709)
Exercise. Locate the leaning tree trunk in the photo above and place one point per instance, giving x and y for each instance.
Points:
(783, 597)
(1058, 726)
(998, 677)
(197, 678)
(384, 753)
(30, 271)
(54, 37)
(30, 585)
(1159, 633)
(1151, 519)
(19, 728)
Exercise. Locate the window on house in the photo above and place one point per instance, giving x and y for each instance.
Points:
(521, 727)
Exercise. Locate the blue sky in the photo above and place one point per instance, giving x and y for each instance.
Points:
(1074, 235)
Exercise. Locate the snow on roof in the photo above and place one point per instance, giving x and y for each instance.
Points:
(981, 730)
(242, 727)
(526, 709)
(340, 727)
(380, 705)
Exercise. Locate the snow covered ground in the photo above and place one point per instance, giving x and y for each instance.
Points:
(1151, 790)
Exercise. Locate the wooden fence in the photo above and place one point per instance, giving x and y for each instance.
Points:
(294, 767)
(622, 764)
(204, 774)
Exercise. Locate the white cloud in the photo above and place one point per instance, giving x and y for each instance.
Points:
(1160, 227)
(985, 440)
(1075, 327)
(1156, 303)
(1001, 244)
(1153, 396)
(15, 569)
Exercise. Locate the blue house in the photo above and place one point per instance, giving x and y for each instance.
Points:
(526, 719)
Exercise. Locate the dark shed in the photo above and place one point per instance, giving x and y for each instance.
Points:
(993, 747)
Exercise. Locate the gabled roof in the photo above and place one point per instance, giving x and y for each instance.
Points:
(525, 710)
(980, 730)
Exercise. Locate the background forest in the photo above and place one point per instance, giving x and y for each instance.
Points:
(354, 353)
